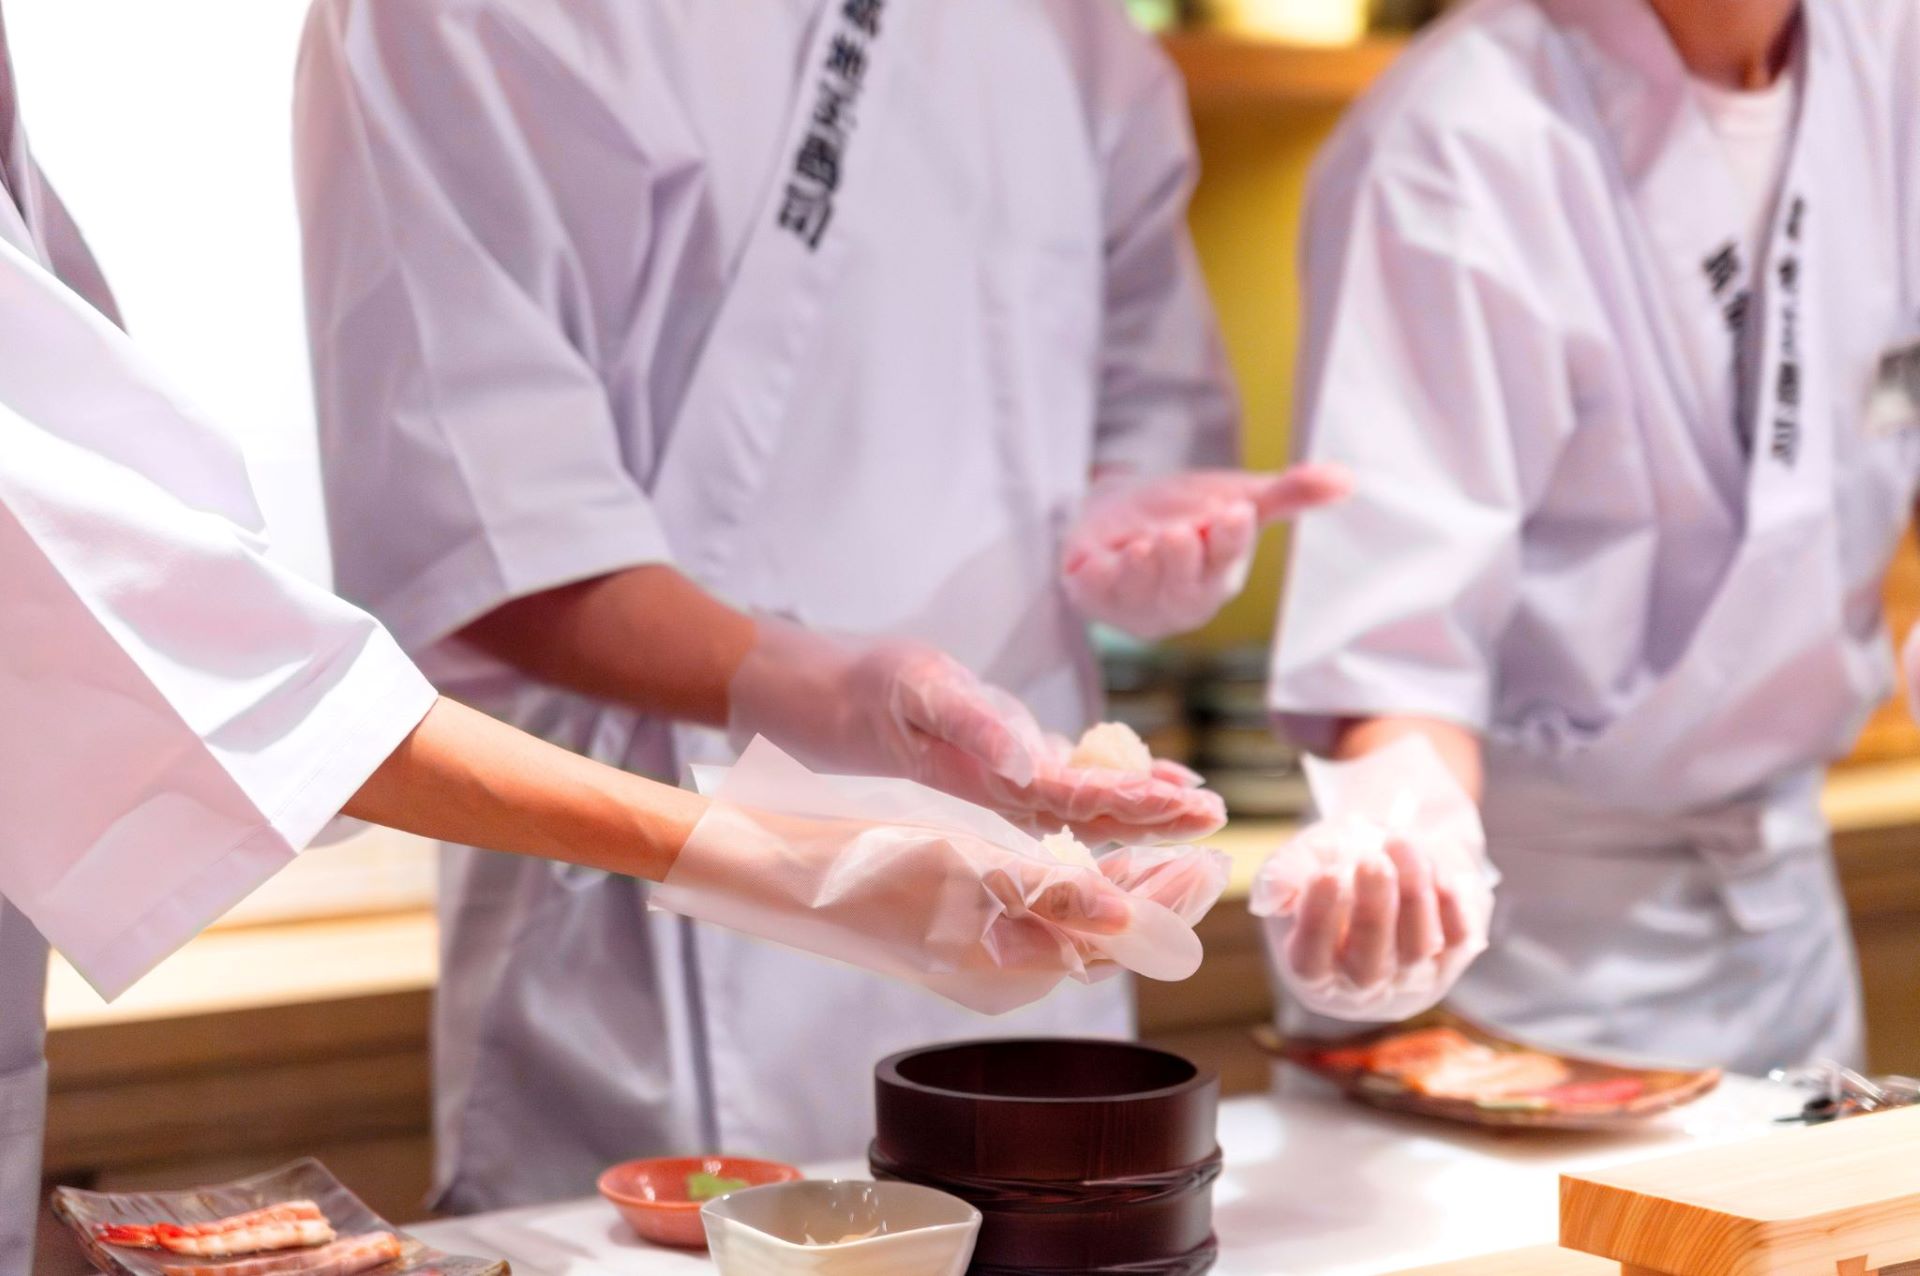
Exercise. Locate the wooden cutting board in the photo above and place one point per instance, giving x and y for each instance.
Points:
(1832, 1200)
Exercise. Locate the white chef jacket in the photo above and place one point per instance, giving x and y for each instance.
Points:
(834, 306)
(1524, 306)
(181, 715)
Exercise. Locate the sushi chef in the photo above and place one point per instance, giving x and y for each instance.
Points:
(1609, 304)
(661, 347)
(182, 716)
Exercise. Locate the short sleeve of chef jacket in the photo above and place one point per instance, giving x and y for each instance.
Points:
(1433, 368)
(182, 715)
(471, 454)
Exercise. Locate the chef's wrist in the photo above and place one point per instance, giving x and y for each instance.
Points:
(795, 686)
(1457, 746)
(663, 819)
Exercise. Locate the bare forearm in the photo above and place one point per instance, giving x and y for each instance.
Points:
(646, 637)
(1458, 747)
(464, 777)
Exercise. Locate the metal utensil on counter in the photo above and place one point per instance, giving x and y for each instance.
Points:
(1837, 1092)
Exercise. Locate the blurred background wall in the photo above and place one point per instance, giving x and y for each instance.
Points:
(164, 123)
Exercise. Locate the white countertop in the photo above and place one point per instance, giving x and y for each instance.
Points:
(1314, 1186)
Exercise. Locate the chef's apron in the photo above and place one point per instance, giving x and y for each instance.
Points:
(1641, 908)
(726, 445)
(706, 1054)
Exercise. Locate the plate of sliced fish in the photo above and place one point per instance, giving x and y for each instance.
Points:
(1443, 1065)
(297, 1220)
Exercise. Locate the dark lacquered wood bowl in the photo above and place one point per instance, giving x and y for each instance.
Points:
(1083, 1157)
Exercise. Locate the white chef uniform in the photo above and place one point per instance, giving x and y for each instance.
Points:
(1645, 570)
(180, 715)
(834, 306)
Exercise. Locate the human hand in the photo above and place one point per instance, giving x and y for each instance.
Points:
(1157, 557)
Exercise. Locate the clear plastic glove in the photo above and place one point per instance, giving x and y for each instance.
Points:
(894, 877)
(1187, 881)
(1375, 911)
(1102, 805)
(904, 709)
(1157, 557)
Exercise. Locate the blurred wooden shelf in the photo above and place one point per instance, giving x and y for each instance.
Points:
(1228, 72)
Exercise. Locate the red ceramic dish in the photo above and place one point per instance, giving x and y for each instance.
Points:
(652, 1195)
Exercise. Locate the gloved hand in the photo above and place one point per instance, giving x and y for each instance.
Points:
(1167, 804)
(1375, 911)
(904, 709)
(895, 878)
(1157, 557)
(1186, 880)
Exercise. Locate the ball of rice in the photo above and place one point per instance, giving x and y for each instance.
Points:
(1066, 848)
(1112, 746)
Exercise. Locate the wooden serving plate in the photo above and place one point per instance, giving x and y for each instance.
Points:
(1830, 1200)
(306, 1179)
(1597, 1094)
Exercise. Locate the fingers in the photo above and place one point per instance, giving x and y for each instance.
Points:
(1303, 487)
(1166, 814)
(1027, 944)
(1182, 553)
(948, 704)
(1420, 933)
(1186, 881)
(1229, 539)
(1454, 921)
(1367, 955)
(1319, 922)
(941, 766)
(1369, 923)
(1093, 905)
(1141, 576)
(1098, 806)
(1092, 575)
(1168, 771)
(1173, 551)
(1281, 884)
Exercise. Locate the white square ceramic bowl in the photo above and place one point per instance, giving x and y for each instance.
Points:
(764, 1231)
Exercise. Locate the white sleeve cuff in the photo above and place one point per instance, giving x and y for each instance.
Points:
(500, 564)
(381, 700)
(1309, 704)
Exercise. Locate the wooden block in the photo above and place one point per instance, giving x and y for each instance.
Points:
(1542, 1260)
(1803, 1202)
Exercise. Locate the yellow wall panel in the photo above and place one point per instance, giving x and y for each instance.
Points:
(1246, 220)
